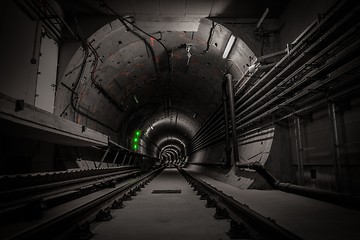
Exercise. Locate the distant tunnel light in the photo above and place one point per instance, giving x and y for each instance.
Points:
(229, 45)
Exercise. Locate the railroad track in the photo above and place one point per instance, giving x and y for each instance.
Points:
(74, 219)
(72, 210)
(238, 221)
(245, 222)
(29, 201)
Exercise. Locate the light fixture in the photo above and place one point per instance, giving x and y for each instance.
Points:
(251, 68)
(228, 47)
(135, 98)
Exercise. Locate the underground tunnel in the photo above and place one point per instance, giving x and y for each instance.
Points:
(197, 119)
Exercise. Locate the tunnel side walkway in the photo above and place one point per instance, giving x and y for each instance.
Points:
(174, 216)
(307, 218)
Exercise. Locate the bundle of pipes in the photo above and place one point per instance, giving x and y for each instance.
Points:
(326, 52)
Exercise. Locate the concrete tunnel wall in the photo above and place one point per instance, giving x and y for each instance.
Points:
(127, 66)
(254, 148)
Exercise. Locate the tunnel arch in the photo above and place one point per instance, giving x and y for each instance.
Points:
(140, 90)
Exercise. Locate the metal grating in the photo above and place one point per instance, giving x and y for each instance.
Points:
(166, 191)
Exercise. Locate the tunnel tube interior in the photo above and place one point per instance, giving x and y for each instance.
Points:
(166, 93)
(118, 72)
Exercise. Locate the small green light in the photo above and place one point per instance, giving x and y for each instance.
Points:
(136, 140)
(135, 146)
(137, 133)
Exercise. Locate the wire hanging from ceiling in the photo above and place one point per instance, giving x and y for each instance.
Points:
(124, 20)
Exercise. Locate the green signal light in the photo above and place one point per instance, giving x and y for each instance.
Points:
(135, 140)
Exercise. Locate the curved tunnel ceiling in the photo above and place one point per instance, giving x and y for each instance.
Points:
(165, 95)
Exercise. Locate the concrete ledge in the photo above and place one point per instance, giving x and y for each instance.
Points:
(31, 122)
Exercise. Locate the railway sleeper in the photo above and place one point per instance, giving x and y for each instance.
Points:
(82, 232)
(117, 204)
(104, 215)
(221, 213)
(238, 231)
(228, 208)
(210, 203)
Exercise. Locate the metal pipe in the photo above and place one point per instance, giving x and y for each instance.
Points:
(253, 112)
(210, 132)
(232, 114)
(252, 95)
(334, 197)
(227, 137)
(338, 95)
(208, 124)
(337, 156)
(298, 146)
(211, 141)
(257, 88)
(255, 107)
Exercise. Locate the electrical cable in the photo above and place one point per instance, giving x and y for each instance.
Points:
(97, 85)
(212, 30)
(73, 105)
(85, 46)
(124, 20)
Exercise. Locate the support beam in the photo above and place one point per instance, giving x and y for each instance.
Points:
(232, 114)
(123, 161)
(226, 119)
(116, 156)
(299, 150)
(335, 136)
(103, 158)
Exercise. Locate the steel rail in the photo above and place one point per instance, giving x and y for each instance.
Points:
(62, 183)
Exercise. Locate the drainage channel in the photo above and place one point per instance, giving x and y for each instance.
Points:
(167, 208)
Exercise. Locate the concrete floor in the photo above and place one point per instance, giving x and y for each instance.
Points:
(305, 217)
(164, 216)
